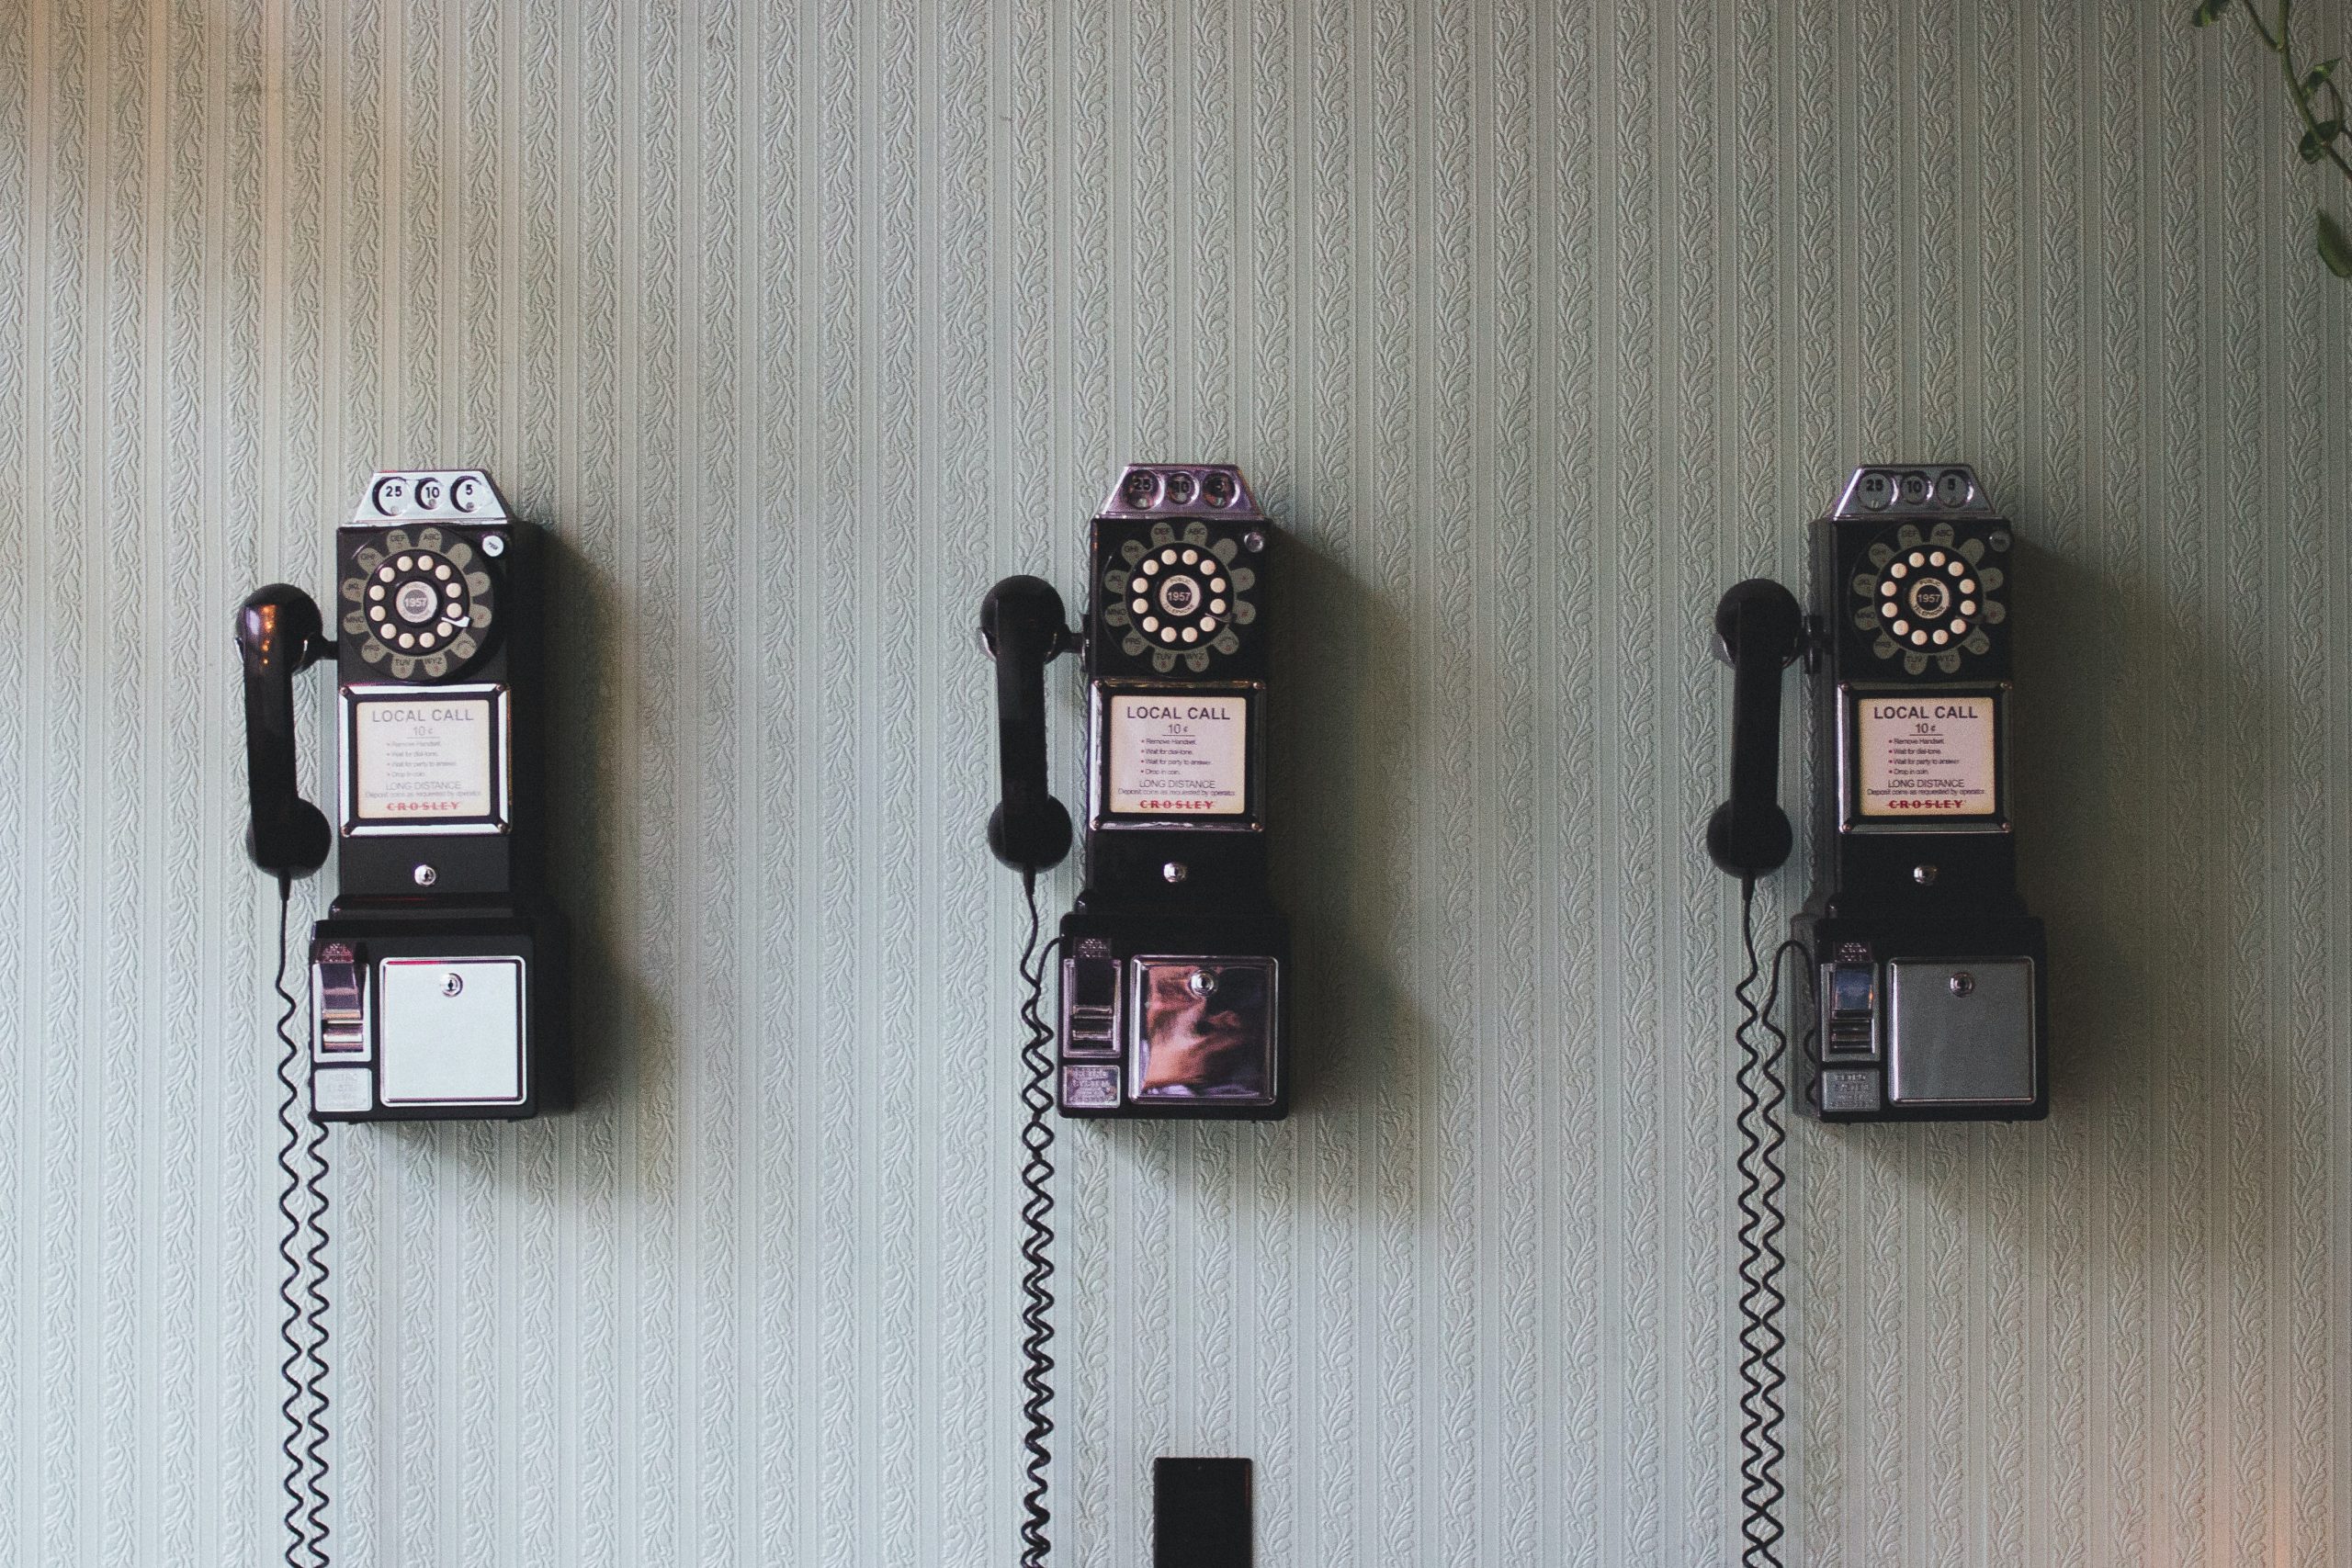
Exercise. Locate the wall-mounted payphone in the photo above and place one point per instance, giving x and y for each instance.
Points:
(1923, 976)
(437, 979)
(1173, 960)
(1926, 996)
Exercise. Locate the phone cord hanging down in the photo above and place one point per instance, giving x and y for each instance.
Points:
(1036, 1278)
(1762, 1219)
(303, 1202)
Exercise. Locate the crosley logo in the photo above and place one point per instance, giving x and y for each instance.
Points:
(1179, 804)
(1925, 805)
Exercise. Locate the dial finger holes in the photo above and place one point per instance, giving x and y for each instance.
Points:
(1899, 628)
(1917, 558)
(1957, 567)
(1942, 638)
(1191, 634)
(1138, 607)
(1935, 557)
(1968, 585)
(1216, 585)
(375, 590)
(1151, 623)
(1958, 627)
(1920, 638)
(1191, 557)
(1897, 569)
(1968, 606)
(1216, 606)
(384, 573)
(1168, 633)
(1886, 589)
(1150, 566)
(1208, 624)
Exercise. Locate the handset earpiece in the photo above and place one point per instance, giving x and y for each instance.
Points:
(278, 633)
(1022, 628)
(1760, 631)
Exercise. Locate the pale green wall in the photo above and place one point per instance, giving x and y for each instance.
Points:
(799, 325)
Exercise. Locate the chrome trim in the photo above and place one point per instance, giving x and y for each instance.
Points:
(1850, 817)
(502, 760)
(1252, 819)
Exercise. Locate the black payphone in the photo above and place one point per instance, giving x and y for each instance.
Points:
(437, 978)
(1923, 989)
(1173, 961)
(1925, 994)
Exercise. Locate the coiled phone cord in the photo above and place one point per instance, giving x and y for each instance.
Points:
(1761, 1221)
(303, 1202)
(1036, 1278)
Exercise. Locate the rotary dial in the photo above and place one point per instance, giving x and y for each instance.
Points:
(1179, 597)
(417, 601)
(1931, 595)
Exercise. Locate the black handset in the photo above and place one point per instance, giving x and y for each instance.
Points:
(1020, 628)
(1926, 1000)
(435, 978)
(1759, 632)
(278, 636)
(1174, 960)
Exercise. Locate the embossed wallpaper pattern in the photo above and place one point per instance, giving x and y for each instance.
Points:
(799, 323)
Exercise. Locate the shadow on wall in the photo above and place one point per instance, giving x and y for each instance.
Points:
(2126, 711)
(586, 648)
(1341, 853)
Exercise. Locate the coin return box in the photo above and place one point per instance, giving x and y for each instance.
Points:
(1961, 1032)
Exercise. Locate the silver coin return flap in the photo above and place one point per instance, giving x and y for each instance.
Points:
(1960, 1031)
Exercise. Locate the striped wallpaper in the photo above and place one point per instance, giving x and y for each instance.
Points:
(799, 323)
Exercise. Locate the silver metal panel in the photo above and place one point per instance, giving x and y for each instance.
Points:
(1182, 489)
(444, 495)
(1960, 1031)
(1203, 1028)
(451, 1031)
(1847, 1089)
(1912, 490)
(343, 1089)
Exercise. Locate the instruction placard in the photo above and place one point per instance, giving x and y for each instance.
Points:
(422, 759)
(1175, 754)
(1927, 756)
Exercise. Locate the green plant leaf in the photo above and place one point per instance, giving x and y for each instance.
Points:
(2210, 11)
(2335, 246)
(2316, 77)
(2313, 147)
